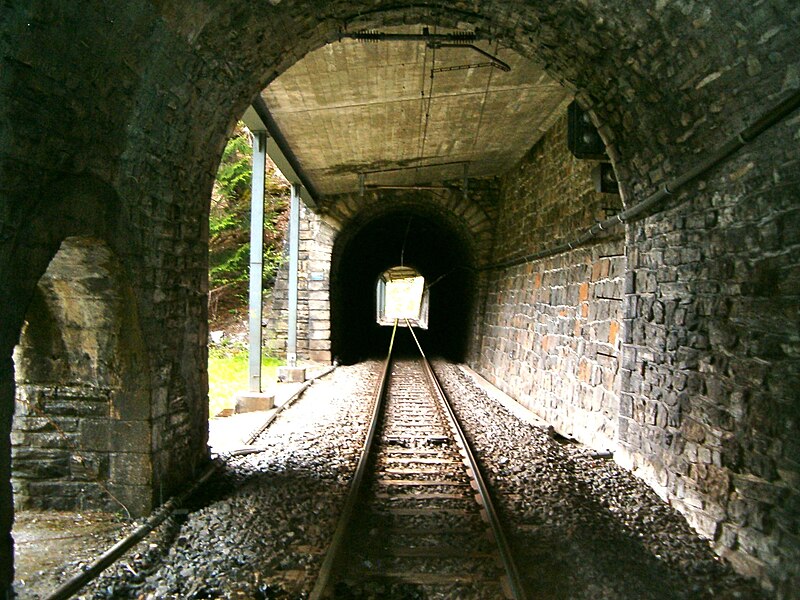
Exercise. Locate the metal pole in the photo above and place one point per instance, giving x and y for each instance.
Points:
(256, 256)
(294, 252)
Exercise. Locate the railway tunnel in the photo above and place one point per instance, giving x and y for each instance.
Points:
(671, 339)
(414, 239)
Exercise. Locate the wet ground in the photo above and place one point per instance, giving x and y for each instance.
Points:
(51, 546)
(50, 543)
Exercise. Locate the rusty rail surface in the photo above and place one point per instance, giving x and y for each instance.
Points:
(381, 549)
(75, 583)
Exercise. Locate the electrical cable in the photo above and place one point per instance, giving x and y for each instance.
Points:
(405, 239)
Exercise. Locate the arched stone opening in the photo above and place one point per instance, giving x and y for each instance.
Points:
(81, 430)
(402, 297)
(668, 81)
(409, 234)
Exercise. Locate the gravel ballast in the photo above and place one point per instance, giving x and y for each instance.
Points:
(582, 527)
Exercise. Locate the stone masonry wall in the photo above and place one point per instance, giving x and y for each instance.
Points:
(709, 413)
(551, 333)
(317, 236)
(122, 144)
(80, 436)
(139, 96)
(313, 294)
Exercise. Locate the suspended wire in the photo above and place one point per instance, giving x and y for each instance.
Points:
(422, 99)
(483, 102)
(405, 238)
(427, 117)
(450, 272)
(428, 107)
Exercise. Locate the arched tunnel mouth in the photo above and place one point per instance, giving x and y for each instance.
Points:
(412, 237)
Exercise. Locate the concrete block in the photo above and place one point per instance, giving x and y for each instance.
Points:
(322, 356)
(291, 374)
(253, 401)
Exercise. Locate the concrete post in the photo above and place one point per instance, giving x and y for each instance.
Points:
(256, 256)
(294, 251)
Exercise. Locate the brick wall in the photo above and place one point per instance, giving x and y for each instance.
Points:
(551, 335)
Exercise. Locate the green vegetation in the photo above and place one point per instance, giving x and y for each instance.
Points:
(227, 375)
(229, 258)
(229, 229)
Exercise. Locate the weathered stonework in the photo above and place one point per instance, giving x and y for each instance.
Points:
(709, 408)
(551, 333)
(113, 116)
(313, 294)
(81, 435)
(350, 214)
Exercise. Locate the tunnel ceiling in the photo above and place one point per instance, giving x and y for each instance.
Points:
(393, 110)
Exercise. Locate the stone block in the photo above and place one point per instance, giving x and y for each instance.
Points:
(131, 468)
(254, 401)
(319, 344)
(321, 356)
(95, 435)
(138, 499)
(130, 436)
(754, 488)
(291, 374)
(87, 467)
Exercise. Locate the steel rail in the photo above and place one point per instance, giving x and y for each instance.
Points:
(514, 581)
(110, 556)
(75, 583)
(354, 494)
(260, 430)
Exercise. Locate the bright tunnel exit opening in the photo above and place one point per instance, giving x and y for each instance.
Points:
(401, 295)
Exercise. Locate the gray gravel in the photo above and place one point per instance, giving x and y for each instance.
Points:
(582, 527)
(265, 534)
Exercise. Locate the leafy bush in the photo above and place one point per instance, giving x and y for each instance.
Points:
(229, 228)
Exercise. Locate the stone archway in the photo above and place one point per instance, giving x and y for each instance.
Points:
(667, 82)
(81, 432)
(422, 229)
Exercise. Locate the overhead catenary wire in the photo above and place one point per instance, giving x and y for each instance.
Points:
(483, 103)
(405, 239)
(427, 116)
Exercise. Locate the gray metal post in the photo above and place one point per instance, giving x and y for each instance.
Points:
(294, 251)
(256, 256)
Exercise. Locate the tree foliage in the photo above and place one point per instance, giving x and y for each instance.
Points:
(229, 226)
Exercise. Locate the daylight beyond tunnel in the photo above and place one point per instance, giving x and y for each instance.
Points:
(422, 241)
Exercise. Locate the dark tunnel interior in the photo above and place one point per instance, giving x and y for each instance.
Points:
(422, 241)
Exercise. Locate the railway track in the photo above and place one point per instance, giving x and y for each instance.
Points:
(418, 521)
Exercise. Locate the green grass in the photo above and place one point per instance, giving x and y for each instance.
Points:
(228, 375)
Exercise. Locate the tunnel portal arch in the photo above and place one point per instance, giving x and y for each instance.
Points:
(81, 428)
(176, 78)
(409, 233)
